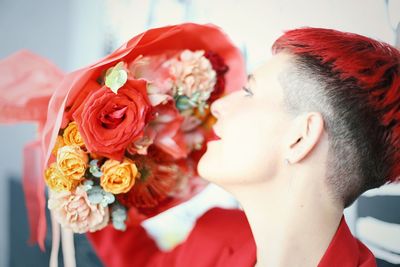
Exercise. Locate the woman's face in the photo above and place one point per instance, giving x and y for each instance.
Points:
(251, 128)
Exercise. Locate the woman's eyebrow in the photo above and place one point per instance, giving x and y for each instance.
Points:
(248, 91)
(246, 88)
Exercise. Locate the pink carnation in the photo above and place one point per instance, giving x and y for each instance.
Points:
(192, 72)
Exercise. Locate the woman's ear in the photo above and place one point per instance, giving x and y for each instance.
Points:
(305, 134)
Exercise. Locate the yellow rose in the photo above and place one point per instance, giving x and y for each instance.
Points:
(56, 181)
(118, 177)
(59, 143)
(72, 162)
(72, 136)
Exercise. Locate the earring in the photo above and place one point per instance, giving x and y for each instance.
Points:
(287, 162)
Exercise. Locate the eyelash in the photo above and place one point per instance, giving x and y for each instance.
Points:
(248, 91)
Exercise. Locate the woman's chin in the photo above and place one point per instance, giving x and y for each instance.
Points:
(206, 167)
(202, 167)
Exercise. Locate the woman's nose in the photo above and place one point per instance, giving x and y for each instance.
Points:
(222, 105)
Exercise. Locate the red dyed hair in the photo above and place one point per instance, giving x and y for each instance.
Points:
(373, 65)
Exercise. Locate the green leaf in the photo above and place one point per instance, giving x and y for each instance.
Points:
(116, 77)
(95, 198)
(183, 103)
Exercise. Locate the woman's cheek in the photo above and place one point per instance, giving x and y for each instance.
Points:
(250, 150)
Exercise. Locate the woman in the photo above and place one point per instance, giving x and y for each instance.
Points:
(316, 126)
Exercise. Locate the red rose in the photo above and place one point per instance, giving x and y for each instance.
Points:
(109, 122)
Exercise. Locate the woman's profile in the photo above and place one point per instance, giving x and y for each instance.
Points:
(315, 126)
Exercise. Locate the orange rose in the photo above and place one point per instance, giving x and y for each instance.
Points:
(118, 177)
(72, 162)
(72, 136)
(58, 182)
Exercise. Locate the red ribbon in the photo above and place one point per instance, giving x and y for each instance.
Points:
(33, 185)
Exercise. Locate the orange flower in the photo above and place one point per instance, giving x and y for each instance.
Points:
(159, 177)
(72, 136)
(118, 177)
(56, 181)
(72, 162)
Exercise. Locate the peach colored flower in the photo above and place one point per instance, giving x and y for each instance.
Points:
(58, 182)
(192, 72)
(74, 211)
(152, 69)
(141, 145)
(168, 136)
(72, 136)
(72, 162)
(118, 177)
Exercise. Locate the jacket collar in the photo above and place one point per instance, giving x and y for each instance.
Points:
(346, 251)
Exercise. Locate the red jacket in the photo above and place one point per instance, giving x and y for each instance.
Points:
(220, 238)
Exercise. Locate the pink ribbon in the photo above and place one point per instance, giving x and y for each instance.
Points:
(27, 83)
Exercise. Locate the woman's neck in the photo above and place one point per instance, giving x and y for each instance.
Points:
(291, 227)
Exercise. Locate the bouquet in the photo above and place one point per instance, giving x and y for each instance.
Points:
(122, 137)
(128, 137)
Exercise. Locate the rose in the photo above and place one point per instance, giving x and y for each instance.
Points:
(56, 181)
(77, 98)
(72, 162)
(109, 122)
(118, 177)
(73, 210)
(72, 136)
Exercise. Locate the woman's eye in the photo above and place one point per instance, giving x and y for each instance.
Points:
(247, 91)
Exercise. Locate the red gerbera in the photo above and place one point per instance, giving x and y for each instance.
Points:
(159, 177)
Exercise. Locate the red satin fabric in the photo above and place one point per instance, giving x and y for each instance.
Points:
(33, 185)
(220, 238)
(346, 251)
(27, 82)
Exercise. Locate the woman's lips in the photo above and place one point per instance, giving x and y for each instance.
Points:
(213, 136)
